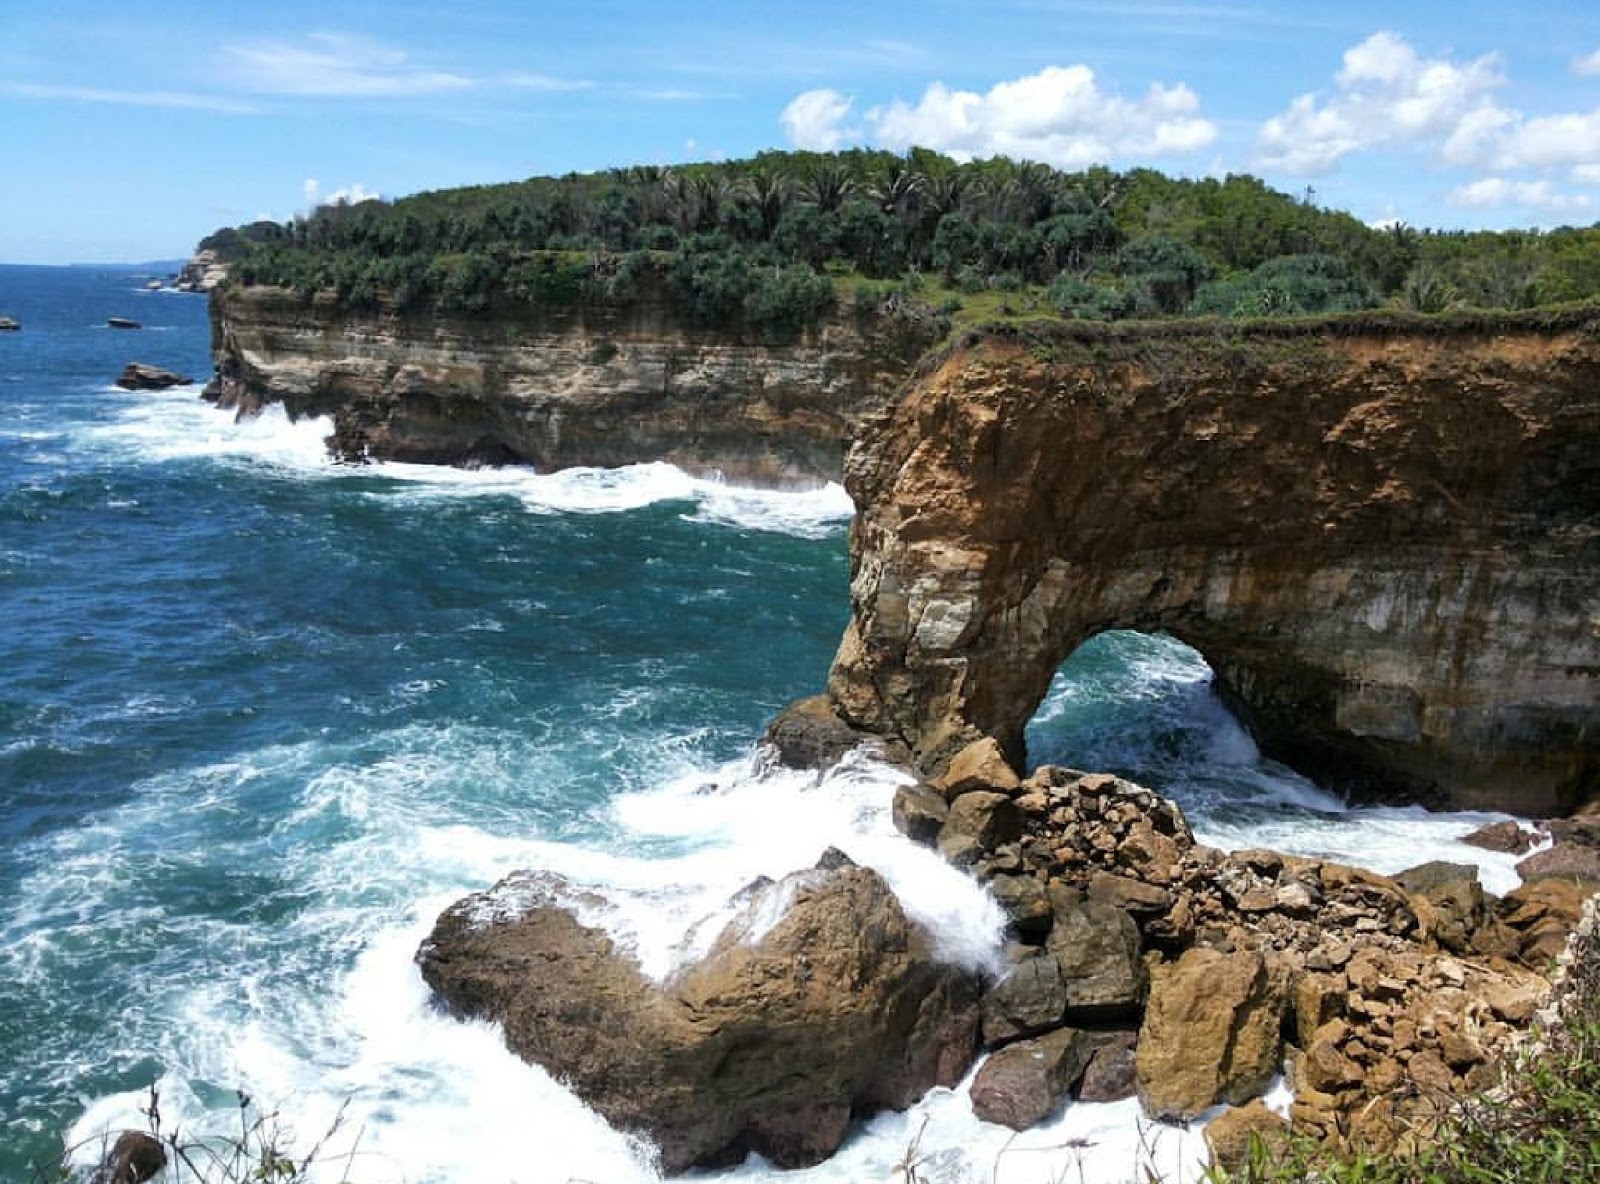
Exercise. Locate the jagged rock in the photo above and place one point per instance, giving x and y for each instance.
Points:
(1025, 1083)
(1508, 837)
(1575, 854)
(1542, 913)
(978, 823)
(1449, 903)
(768, 1044)
(1232, 1136)
(1096, 948)
(979, 766)
(919, 813)
(1111, 1074)
(1128, 894)
(1211, 1032)
(136, 376)
(1024, 902)
(1028, 492)
(808, 734)
(1029, 999)
(133, 1159)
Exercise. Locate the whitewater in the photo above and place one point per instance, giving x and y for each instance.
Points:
(263, 717)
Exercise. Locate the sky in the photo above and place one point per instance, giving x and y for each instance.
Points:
(129, 131)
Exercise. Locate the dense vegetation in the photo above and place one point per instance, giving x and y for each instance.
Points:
(774, 241)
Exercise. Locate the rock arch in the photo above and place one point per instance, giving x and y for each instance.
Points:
(1383, 535)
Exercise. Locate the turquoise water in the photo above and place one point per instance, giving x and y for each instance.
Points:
(262, 717)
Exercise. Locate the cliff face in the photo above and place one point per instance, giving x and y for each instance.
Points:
(1385, 541)
(554, 387)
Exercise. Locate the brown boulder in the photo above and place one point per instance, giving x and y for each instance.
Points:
(1506, 836)
(919, 813)
(1575, 854)
(134, 1158)
(979, 822)
(979, 766)
(1025, 1083)
(1240, 1133)
(768, 1044)
(1211, 1032)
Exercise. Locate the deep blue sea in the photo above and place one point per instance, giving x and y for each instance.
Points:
(262, 717)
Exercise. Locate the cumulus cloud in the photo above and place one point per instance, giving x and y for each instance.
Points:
(1386, 95)
(1061, 116)
(815, 119)
(348, 195)
(1503, 192)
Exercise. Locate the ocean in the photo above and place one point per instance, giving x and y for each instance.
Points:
(262, 717)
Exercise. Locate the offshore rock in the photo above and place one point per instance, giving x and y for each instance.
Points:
(1383, 534)
(556, 386)
(137, 376)
(820, 1000)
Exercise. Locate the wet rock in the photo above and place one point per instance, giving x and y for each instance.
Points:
(1024, 902)
(1023, 1084)
(1574, 855)
(1111, 1075)
(808, 734)
(979, 822)
(1096, 948)
(133, 1159)
(1508, 837)
(919, 813)
(1211, 1032)
(820, 999)
(136, 376)
(1030, 999)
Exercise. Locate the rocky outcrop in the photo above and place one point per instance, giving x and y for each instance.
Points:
(204, 271)
(1384, 998)
(1382, 534)
(553, 386)
(137, 376)
(820, 1000)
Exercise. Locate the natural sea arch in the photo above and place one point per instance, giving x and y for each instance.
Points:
(1385, 542)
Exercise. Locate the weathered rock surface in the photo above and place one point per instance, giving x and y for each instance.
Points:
(137, 376)
(1023, 1084)
(560, 386)
(1384, 539)
(1573, 855)
(1233, 1134)
(818, 1001)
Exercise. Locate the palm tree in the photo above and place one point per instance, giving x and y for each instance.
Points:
(770, 194)
(828, 185)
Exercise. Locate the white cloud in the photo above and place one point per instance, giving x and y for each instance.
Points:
(331, 65)
(815, 119)
(1386, 96)
(349, 195)
(1502, 192)
(1060, 116)
(1587, 65)
(126, 98)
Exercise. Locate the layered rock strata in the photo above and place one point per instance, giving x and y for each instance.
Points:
(1384, 537)
(559, 386)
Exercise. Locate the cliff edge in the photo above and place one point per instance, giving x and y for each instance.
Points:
(1383, 533)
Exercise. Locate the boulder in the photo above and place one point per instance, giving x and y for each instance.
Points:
(1574, 855)
(1211, 1032)
(136, 376)
(1096, 948)
(1110, 1076)
(808, 734)
(134, 1158)
(979, 766)
(1233, 1136)
(979, 822)
(818, 1000)
(1023, 1084)
(1507, 836)
(1029, 999)
(1025, 903)
(1449, 903)
(919, 813)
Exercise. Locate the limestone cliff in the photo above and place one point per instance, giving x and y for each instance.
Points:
(560, 386)
(1383, 534)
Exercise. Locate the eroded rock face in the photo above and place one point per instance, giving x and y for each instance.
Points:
(554, 387)
(1385, 544)
(820, 1000)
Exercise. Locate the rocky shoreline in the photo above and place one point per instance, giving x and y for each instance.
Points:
(1138, 963)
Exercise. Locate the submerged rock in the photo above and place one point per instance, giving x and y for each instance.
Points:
(820, 999)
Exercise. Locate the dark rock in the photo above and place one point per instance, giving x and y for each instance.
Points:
(134, 1158)
(137, 376)
(1030, 999)
(809, 735)
(1096, 948)
(979, 822)
(1025, 1083)
(123, 323)
(1507, 836)
(1110, 1076)
(767, 1045)
(1435, 874)
(1024, 901)
(1564, 861)
(919, 813)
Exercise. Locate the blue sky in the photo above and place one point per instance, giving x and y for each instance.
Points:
(131, 130)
